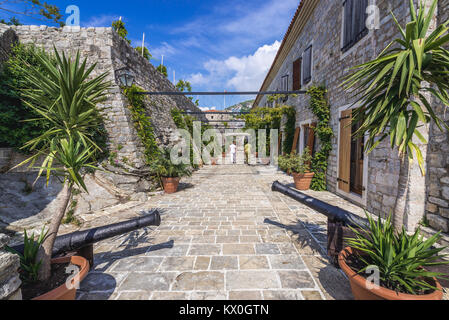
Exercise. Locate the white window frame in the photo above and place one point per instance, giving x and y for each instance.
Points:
(362, 200)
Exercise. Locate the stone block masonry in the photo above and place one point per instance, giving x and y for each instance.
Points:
(110, 52)
(9, 275)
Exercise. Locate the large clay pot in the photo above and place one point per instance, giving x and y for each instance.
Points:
(171, 184)
(359, 285)
(303, 180)
(214, 161)
(63, 292)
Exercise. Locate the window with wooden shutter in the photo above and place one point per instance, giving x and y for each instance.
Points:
(344, 175)
(297, 74)
(307, 66)
(354, 22)
(284, 84)
(296, 139)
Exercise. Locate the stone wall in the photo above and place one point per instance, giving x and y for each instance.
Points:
(330, 65)
(438, 160)
(9, 275)
(110, 52)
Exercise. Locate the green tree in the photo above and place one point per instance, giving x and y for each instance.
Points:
(62, 91)
(163, 70)
(184, 86)
(32, 8)
(12, 22)
(146, 53)
(396, 90)
(119, 27)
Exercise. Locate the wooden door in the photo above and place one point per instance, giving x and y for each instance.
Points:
(344, 174)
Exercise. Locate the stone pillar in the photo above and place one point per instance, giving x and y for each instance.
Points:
(9, 275)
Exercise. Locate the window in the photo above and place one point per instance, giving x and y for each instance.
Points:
(297, 74)
(284, 87)
(354, 22)
(307, 66)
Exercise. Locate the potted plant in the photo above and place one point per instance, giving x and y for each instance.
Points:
(63, 91)
(299, 166)
(169, 173)
(400, 260)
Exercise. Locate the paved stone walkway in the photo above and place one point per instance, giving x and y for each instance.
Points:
(224, 235)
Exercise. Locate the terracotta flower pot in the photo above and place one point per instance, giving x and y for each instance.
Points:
(171, 184)
(303, 180)
(214, 161)
(359, 285)
(62, 292)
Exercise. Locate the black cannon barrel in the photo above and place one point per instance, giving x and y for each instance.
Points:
(332, 212)
(80, 239)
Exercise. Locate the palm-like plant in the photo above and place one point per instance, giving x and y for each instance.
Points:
(401, 258)
(395, 89)
(65, 93)
(163, 167)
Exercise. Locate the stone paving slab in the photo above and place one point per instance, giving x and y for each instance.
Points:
(226, 236)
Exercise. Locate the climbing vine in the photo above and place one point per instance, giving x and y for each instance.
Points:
(184, 121)
(271, 118)
(142, 122)
(320, 107)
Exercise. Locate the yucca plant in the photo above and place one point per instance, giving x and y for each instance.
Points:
(395, 90)
(65, 93)
(401, 258)
(29, 264)
(162, 166)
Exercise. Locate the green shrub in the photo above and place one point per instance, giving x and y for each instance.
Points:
(401, 258)
(162, 166)
(29, 267)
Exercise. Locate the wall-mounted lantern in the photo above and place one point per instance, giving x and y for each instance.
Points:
(125, 77)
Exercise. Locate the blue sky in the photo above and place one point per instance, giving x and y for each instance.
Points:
(216, 45)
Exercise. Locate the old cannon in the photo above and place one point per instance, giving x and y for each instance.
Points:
(81, 242)
(339, 223)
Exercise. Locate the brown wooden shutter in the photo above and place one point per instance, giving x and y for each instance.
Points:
(311, 138)
(344, 175)
(297, 74)
(295, 140)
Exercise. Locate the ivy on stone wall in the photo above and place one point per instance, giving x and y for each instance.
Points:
(319, 105)
(142, 122)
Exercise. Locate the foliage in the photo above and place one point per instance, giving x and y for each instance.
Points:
(60, 93)
(321, 109)
(15, 130)
(183, 121)
(70, 217)
(12, 22)
(162, 166)
(29, 267)
(163, 70)
(184, 86)
(293, 163)
(394, 101)
(142, 122)
(34, 8)
(146, 53)
(401, 258)
(271, 118)
(119, 27)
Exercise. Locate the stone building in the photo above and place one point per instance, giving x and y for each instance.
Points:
(324, 40)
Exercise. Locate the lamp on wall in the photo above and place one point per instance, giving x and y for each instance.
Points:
(125, 77)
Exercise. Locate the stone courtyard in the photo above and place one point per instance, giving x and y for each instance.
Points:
(224, 235)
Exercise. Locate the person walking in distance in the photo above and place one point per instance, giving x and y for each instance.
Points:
(233, 149)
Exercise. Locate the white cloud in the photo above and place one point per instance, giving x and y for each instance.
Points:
(165, 49)
(100, 21)
(241, 74)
